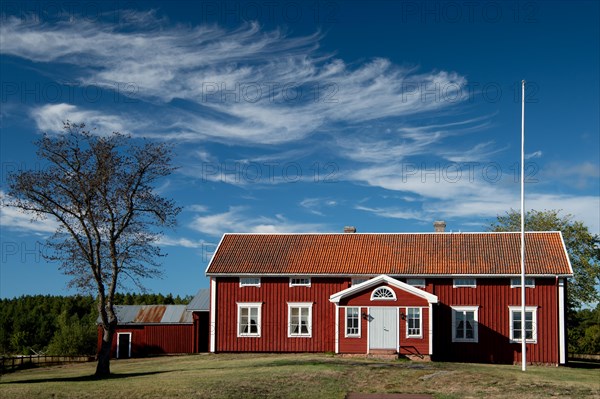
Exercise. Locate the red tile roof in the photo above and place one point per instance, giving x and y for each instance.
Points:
(394, 254)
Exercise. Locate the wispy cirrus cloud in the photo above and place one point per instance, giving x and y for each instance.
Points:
(535, 154)
(50, 118)
(471, 199)
(398, 142)
(394, 213)
(244, 84)
(317, 206)
(13, 218)
(580, 175)
(239, 219)
(183, 242)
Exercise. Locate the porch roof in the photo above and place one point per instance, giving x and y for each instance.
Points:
(335, 298)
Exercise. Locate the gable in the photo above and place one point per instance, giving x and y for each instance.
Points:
(402, 298)
(361, 294)
(419, 254)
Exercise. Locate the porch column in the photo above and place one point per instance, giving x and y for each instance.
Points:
(430, 323)
(213, 313)
(337, 328)
(562, 350)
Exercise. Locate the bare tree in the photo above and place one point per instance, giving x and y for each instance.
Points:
(100, 189)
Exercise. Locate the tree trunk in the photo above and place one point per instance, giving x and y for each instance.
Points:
(103, 366)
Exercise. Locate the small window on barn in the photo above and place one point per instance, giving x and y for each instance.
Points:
(383, 294)
(464, 282)
(352, 322)
(249, 281)
(300, 319)
(515, 282)
(416, 282)
(249, 315)
(299, 281)
(414, 322)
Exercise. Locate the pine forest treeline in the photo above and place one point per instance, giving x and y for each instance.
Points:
(60, 325)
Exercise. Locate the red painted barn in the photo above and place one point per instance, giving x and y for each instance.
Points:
(446, 296)
(144, 330)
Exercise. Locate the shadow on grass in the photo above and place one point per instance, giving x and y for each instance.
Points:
(84, 378)
(582, 364)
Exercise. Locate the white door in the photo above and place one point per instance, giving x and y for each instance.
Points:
(383, 328)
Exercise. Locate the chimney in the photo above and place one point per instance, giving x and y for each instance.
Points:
(349, 229)
(439, 226)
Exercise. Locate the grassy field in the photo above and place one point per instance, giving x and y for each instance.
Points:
(296, 376)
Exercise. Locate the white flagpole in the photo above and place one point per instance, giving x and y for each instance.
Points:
(523, 323)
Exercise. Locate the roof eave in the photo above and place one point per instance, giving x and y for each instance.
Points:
(401, 275)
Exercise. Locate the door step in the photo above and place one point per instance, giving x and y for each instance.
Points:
(384, 354)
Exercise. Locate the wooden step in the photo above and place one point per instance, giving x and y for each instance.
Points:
(383, 354)
(383, 351)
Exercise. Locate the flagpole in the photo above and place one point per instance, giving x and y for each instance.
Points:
(523, 318)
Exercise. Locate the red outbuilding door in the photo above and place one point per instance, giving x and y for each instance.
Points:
(123, 345)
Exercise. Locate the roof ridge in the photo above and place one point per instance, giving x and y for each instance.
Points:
(394, 233)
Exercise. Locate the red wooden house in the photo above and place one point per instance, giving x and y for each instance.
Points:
(446, 296)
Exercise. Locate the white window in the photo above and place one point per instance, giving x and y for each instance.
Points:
(299, 281)
(358, 280)
(352, 322)
(515, 282)
(299, 319)
(530, 324)
(416, 282)
(414, 323)
(249, 319)
(464, 323)
(249, 281)
(383, 294)
(464, 282)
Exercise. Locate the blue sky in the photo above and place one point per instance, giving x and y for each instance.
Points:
(305, 117)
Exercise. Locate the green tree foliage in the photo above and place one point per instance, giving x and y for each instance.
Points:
(74, 336)
(584, 331)
(583, 248)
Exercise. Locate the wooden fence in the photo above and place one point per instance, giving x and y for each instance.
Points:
(12, 363)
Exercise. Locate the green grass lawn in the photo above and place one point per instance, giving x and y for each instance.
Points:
(296, 376)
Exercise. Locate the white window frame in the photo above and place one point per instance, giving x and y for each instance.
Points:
(457, 283)
(249, 305)
(292, 284)
(247, 284)
(420, 335)
(475, 310)
(515, 282)
(416, 282)
(359, 280)
(300, 305)
(385, 288)
(517, 309)
(346, 334)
